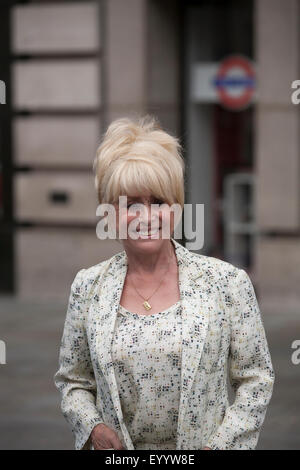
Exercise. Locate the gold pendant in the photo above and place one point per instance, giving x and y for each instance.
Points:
(147, 305)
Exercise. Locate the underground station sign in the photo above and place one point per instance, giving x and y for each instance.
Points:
(231, 82)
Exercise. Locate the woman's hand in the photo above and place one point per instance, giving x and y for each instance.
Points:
(206, 448)
(104, 437)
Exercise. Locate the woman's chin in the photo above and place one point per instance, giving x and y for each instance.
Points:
(144, 239)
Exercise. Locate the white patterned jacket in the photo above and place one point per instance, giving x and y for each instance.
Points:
(222, 333)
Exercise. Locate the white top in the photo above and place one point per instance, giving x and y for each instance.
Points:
(146, 352)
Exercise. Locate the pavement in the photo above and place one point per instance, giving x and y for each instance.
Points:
(30, 416)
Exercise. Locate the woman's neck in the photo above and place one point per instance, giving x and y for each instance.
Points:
(148, 264)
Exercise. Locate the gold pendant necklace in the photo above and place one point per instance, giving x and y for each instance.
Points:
(147, 306)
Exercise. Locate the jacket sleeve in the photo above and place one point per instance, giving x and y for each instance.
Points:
(75, 377)
(251, 372)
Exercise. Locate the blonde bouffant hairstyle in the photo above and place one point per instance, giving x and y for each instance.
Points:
(137, 156)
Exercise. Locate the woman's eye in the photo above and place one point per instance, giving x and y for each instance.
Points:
(132, 204)
(156, 201)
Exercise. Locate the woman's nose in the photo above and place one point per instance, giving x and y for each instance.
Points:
(145, 212)
(148, 214)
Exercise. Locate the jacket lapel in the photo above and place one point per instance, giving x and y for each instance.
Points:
(104, 310)
(195, 317)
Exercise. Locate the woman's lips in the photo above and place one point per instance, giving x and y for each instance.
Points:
(149, 234)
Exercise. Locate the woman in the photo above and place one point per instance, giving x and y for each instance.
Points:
(150, 332)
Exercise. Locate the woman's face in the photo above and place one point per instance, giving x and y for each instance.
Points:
(144, 222)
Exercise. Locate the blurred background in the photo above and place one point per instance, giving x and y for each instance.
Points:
(218, 75)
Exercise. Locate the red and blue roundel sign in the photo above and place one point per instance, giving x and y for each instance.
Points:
(235, 82)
